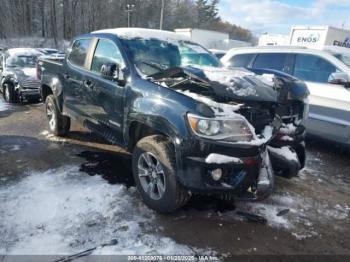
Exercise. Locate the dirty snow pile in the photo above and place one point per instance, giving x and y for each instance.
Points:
(65, 211)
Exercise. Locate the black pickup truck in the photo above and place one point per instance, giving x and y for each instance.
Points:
(191, 125)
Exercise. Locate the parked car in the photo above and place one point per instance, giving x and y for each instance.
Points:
(191, 125)
(18, 74)
(326, 73)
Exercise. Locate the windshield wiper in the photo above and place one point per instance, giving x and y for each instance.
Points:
(153, 64)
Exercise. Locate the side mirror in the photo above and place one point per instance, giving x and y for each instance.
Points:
(112, 72)
(339, 78)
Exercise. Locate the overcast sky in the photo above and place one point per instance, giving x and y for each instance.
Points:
(277, 16)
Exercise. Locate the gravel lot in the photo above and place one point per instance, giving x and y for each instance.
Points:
(61, 196)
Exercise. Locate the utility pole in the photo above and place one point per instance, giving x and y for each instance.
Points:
(129, 9)
(161, 16)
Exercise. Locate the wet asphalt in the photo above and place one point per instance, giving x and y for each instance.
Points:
(315, 205)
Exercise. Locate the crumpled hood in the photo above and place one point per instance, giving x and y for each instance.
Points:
(243, 85)
(238, 84)
(24, 73)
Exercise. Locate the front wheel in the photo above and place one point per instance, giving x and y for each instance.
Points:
(58, 124)
(154, 170)
(10, 94)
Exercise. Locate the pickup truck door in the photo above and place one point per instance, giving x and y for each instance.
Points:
(329, 115)
(105, 98)
(75, 68)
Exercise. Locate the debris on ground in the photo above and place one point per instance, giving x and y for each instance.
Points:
(252, 217)
(283, 212)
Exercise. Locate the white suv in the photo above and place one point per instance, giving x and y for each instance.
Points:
(326, 73)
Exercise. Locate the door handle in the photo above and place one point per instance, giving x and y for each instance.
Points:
(65, 76)
(88, 84)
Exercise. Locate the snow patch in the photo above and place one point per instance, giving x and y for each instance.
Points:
(144, 33)
(232, 79)
(23, 51)
(286, 152)
(52, 137)
(221, 159)
(288, 129)
(65, 211)
(4, 106)
(15, 148)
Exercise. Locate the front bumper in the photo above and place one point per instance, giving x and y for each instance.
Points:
(195, 173)
(30, 93)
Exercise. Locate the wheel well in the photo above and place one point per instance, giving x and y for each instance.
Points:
(45, 91)
(137, 131)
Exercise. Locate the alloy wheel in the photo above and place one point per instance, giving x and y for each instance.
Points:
(151, 175)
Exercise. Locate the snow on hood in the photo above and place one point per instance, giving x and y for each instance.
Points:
(23, 51)
(241, 83)
(29, 72)
(64, 211)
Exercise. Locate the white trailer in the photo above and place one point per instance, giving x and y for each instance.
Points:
(211, 39)
(318, 37)
(273, 39)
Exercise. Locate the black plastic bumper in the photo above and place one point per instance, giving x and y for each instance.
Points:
(30, 94)
(195, 173)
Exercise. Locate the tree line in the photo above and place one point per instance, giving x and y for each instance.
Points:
(64, 19)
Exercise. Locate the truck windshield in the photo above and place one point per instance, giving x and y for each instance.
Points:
(345, 58)
(22, 61)
(153, 55)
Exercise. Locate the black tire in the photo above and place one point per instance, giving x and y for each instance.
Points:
(160, 150)
(9, 93)
(59, 125)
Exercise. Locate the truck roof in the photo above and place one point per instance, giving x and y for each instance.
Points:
(143, 33)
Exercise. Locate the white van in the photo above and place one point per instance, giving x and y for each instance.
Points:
(326, 73)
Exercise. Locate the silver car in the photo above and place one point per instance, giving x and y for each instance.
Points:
(326, 73)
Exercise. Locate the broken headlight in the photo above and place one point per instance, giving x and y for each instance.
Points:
(232, 129)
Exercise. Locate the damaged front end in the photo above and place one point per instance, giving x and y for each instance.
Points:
(234, 145)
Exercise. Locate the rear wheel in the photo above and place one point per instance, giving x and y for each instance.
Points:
(154, 170)
(58, 124)
(9, 93)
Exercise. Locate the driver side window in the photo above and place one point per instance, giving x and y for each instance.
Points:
(106, 52)
(313, 68)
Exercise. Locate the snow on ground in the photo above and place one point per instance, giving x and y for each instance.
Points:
(305, 211)
(65, 211)
(4, 106)
(52, 137)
